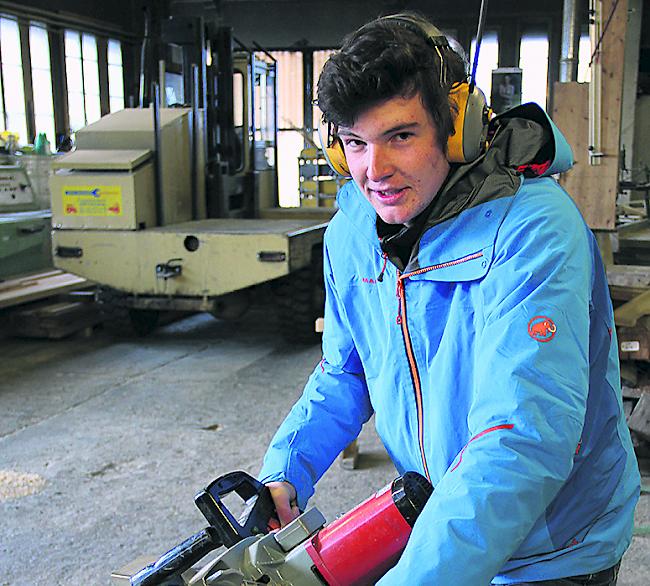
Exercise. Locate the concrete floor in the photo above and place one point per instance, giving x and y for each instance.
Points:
(114, 439)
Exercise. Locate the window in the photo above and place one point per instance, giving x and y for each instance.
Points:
(13, 95)
(238, 100)
(584, 57)
(74, 78)
(90, 78)
(39, 49)
(320, 58)
(488, 59)
(82, 73)
(174, 92)
(533, 60)
(115, 76)
(290, 124)
(2, 108)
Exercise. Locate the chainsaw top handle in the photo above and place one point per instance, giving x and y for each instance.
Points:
(256, 495)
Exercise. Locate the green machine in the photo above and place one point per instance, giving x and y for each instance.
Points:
(176, 208)
(24, 229)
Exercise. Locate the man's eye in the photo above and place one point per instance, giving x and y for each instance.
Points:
(402, 136)
(353, 142)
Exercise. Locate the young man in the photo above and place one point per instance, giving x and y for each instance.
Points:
(468, 309)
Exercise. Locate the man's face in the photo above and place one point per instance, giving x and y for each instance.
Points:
(394, 157)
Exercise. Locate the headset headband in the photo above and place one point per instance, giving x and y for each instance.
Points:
(429, 32)
(423, 28)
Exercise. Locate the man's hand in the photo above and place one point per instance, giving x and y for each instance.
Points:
(284, 499)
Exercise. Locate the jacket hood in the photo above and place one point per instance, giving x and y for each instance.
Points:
(524, 143)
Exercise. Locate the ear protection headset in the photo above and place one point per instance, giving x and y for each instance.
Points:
(468, 101)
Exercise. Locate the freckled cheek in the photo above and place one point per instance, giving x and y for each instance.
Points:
(357, 171)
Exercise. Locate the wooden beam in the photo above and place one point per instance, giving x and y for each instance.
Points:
(594, 188)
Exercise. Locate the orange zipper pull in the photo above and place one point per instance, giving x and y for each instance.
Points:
(400, 297)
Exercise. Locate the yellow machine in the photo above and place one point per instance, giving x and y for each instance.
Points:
(176, 208)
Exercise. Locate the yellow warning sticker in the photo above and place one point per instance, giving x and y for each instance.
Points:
(92, 200)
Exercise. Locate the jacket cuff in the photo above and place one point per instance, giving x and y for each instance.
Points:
(303, 486)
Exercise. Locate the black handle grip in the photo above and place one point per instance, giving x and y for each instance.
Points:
(230, 531)
(35, 229)
(178, 559)
(69, 251)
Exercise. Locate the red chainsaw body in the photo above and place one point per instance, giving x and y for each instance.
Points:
(363, 545)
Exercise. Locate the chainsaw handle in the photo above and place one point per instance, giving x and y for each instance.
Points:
(169, 567)
(209, 502)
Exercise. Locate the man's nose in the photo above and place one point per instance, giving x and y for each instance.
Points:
(380, 165)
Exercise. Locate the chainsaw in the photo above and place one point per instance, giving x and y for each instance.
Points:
(356, 549)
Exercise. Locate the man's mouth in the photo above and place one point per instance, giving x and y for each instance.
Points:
(389, 194)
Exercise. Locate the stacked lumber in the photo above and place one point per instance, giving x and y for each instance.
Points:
(36, 286)
(54, 319)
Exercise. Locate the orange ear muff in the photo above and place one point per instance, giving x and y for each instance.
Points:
(336, 158)
(470, 125)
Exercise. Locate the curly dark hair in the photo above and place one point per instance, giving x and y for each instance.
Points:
(388, 57)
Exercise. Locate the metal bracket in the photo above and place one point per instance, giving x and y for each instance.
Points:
(170, 269)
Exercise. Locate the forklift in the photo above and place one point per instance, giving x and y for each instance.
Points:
(174, 207)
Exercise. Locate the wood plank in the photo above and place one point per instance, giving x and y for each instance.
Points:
(38, 286)
(639, 420)
(594, 188)
(24, 280)
(628, 275)
(625, 293)
(629, 313)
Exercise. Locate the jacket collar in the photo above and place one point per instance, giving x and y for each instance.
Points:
(461, 248)
(524, 142)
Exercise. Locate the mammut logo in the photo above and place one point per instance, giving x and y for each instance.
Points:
(369, 281)
(541, 328)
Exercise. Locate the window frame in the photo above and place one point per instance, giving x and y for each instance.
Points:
(55, 29)
(83, 61)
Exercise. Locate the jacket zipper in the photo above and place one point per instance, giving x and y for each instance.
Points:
(413, 367)
(380, 278)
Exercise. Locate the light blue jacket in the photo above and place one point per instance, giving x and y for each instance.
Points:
(491, 366)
